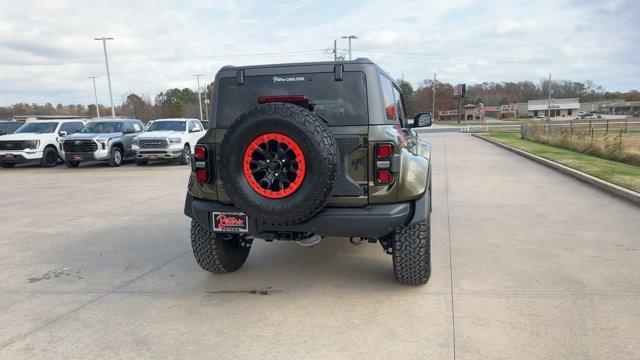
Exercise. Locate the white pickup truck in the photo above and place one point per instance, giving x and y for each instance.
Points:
(36, 142)
(168, 139)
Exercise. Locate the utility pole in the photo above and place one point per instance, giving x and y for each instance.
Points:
(350, 37)
(199, 95)
(95, 94)
(335, 50)
(106, 62)
(433, 92)
(549, 101)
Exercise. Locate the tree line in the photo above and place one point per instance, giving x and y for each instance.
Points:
(495, 94)
(184, 102)
(166, 104)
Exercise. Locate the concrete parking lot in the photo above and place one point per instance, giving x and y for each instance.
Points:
(527, 263)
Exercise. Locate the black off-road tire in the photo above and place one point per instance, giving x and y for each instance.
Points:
(412, 254)
(114, 159)
(142, 162)
(72, 164)
(218, 253)
(318, 146)
(185, 156)
(7, 165)
(49, 157)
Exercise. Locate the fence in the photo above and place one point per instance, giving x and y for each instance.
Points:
(617, 140)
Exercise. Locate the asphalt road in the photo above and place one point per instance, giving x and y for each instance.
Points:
(527, 263)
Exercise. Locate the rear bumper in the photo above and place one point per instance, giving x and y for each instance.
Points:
(371, 221)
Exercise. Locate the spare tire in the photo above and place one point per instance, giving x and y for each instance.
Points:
(279, 163)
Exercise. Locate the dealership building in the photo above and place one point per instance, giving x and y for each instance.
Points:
(558, 108)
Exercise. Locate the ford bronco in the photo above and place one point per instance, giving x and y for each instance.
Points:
(304, 151)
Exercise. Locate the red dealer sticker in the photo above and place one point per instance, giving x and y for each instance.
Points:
(230, 222)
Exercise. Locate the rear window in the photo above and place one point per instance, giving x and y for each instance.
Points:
(337, 102)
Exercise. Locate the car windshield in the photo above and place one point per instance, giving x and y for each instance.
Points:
(38, 127)
(9, 127)
(102, 127)
(167, 125)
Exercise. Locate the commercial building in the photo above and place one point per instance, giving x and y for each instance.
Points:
(558, 108)
(622, 108)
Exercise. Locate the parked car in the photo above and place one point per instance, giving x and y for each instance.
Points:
(304, 151)
(168, 139)
(101, 140)
(36, 141)
(9, 126)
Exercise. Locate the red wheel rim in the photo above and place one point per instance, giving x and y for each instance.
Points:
(274, 165)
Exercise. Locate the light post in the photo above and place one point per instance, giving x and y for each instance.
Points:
(199, 95)
(95, 94)
(106, 62)
(350, 37)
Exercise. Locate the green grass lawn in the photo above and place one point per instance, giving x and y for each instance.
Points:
(627, 176)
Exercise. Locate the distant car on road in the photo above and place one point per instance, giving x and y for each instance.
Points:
(9, 127)
(36, 141)
(588, 115)
(168, 139)
(101, 140)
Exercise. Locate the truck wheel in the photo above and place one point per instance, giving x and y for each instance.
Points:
(279, 163)
(185, 156)
(412, 254)
(115, 157)
(49, 157)
(142, 162)
(7, 165)
(72, 164)
(218, 253)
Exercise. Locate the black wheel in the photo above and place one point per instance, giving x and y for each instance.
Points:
(185, 156)
(72, 164)
(218, 253)
(412, 254)
(142, 162)
(49, 157)
(280, 164)
(7, 165)
(115, 157)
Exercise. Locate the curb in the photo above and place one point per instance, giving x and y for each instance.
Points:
(608, 187)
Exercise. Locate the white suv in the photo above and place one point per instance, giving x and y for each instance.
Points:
(36, 141)
(168, 139)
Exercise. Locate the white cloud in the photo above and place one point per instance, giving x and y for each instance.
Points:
(160, 44)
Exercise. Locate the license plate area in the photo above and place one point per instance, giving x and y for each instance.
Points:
(78, 158)
(229, 222)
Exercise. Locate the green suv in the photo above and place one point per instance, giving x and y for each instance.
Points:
(304, 151)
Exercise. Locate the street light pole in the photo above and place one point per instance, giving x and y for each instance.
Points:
(433, 92)
(350, 37)
(106, 62)
(199, 95)
(549, 101)
(95, 94)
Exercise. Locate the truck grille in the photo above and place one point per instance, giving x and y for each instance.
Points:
(12, 145)
(152, 143)
(80, 146)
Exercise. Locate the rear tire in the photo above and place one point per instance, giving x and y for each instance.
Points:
(185, 156)
(72, 164)
(218, 253)
(115, 157)
(49, 157)
(412, 253)
(7, 165)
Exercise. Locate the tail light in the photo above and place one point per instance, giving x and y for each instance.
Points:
(384, 164)
(201, 163)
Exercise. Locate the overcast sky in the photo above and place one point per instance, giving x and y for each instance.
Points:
(47, 49)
